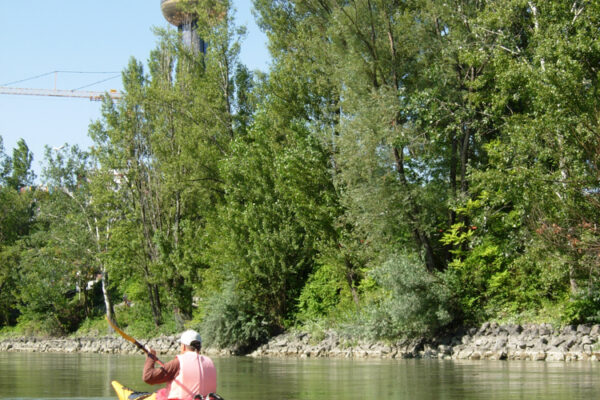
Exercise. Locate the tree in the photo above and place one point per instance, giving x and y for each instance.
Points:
(20, 165)
(65, 254)
(278, 207)
(165, 140)
(549, 84)
(16, 220)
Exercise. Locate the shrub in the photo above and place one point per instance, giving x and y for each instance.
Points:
(232, 321)
(413, 301)
(584, 307)
(320, 295)
(138, 320)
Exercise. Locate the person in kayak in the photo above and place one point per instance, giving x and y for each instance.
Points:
(187, 375)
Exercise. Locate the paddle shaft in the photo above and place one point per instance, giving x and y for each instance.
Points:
(135, 342)
(152, 356)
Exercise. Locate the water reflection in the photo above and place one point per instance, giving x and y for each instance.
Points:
(88, 376)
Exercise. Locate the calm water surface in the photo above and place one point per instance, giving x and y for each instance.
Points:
(88, 376)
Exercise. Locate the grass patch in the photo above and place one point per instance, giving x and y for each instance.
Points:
(93, 327)
(11, 332)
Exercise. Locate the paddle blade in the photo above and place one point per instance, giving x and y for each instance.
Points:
(119, 331)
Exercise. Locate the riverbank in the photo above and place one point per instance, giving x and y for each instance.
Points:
(488, 342)
(103, 344)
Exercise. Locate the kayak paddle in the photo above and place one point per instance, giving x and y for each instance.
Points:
(132, 340)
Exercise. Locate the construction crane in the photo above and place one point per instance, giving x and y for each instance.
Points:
(82, 94)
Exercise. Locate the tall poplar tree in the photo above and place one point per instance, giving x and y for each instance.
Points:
(164, 141)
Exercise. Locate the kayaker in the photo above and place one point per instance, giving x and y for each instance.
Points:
(187, 375)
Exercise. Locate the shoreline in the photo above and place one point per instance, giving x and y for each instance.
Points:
(491, 341)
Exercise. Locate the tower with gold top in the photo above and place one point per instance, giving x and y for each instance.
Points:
(184, 21)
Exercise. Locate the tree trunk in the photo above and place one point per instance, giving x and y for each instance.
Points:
(453, 174)
(464, 160)
(420, 236)
(351, 280)
(107, 303)
(154, 303)
(572, 280)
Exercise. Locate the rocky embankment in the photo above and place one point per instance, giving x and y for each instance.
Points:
(105, 344)
(489, 342)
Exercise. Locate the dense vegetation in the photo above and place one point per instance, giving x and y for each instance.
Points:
(403, 167)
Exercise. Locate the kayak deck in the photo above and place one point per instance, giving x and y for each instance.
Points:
(124, 393)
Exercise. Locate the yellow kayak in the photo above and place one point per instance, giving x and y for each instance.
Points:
(124, 393)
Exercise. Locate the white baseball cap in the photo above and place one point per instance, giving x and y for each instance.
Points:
(190, 336)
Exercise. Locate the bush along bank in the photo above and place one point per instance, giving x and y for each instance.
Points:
(488, 342)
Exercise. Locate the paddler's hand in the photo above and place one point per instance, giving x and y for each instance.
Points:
(152, 354)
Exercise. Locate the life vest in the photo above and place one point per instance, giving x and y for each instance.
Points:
(197, 375)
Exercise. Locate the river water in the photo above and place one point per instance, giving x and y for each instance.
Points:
(88, 376)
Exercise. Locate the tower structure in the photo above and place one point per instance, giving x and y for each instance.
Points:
(185, 22)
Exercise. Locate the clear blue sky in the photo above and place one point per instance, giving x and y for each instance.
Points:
(39, 36)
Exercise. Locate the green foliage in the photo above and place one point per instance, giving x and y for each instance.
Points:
(233, 320)
(91, 327)
(9, 284)
(16, 220)
(21, 175)
(50, 303)
(413, 301)
(321, 294)
(277, 206)
(482, 277)
(137, 321)
(583, 309)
